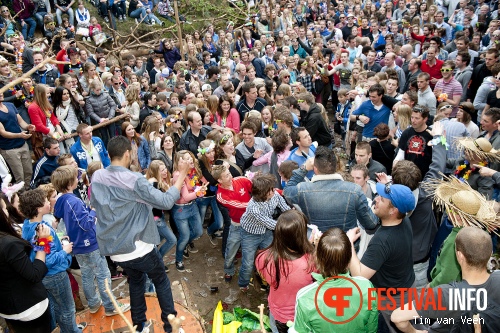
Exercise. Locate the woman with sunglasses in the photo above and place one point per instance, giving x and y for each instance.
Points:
(9, 23)
(174, 125)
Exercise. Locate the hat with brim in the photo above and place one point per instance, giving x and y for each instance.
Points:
(459, 198)
(480, 147)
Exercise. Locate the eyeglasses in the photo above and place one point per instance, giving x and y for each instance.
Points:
(446, 70)
(286, 76)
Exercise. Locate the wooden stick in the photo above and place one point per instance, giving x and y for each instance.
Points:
(179, 28)
(117, 308)
(175, 322)
(24, 76)
(261, 318)
(103, 124)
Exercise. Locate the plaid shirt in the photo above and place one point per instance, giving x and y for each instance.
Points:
(258, 216)
(306, 82)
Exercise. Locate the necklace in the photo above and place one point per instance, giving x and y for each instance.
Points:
(89, 149)
(463, 171)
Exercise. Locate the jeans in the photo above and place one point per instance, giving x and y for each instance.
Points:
(250, 243)
(232, 246)
(39, 18)
(202, 206)
(61, 299)
(167, 234)
(188, 221)
(421, 274)
(71, 15)
(139, 13)
(136, 269)
(152, 17)
(227, 225)
(94, 266)
(28, 30)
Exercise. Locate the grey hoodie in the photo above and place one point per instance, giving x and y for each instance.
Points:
(482, 93)
(464, 77)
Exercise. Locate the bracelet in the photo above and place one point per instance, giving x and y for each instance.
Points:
(42, 244)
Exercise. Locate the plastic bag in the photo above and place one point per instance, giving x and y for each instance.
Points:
(250, 320)
(218, 322)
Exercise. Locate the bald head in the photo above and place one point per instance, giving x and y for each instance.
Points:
(389, 59)
(406, 51)
(475, 245)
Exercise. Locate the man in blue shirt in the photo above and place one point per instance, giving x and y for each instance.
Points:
(372, 112)
(300, 136)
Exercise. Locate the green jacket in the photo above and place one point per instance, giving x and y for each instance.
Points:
(307, 318)
(447, 268)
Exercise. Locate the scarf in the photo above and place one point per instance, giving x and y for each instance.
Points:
(82, 16)
(19, 58)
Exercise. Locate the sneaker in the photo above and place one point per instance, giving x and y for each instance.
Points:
(118, 275)
(153, 22)
(180, 266)
(212, 238)
(185, 254)
(124, 307)
(251, 282)
(244, 289)
(120, 19)
(228, 278)
(162, 24)
(146, 328)
(191, 248)
(94, 309)
(82, 325)
(106, 19)
(218, 233)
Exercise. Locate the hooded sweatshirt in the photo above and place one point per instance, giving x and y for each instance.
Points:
(463, 77)
(79, 221)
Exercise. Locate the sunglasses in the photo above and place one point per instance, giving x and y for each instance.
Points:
(300, 101)
(418, 109)
(236, 56)
(225, 139)
(446, 70)
(286, 76)
(5, 11)
(387, 189)
(446, 107)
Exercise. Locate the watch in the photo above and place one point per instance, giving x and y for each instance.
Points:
(357, 117)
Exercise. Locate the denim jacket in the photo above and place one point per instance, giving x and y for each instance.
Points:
(328, 201)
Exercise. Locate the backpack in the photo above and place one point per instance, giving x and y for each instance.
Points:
(489, 318)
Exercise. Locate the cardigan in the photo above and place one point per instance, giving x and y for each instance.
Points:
(39, 119)
(21, 286)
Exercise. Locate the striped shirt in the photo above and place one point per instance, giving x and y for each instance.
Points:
(451, 88)
(258, 216)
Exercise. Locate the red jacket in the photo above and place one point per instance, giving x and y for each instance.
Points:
(434, 71)
(236, 200)
(61, 56)
(421, 38)
(39, 119)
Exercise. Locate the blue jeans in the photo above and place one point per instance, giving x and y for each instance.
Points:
(94, 266)
(139, 13)
(28, 30)
(61, 299)
(136, 269)
(152, 17)
(71, 16)
(39, 18)
(250, 243)
(188, 221)
(167, 234)
(202, 206)
(232, 246)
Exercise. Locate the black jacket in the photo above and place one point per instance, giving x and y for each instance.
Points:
(188, 141)
(21, 279)
(316, 126)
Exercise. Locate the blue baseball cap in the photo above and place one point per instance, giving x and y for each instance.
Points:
(401, 196)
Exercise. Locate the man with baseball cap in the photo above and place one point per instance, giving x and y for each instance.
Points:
(387, 261)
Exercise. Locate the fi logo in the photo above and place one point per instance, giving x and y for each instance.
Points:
(338, 305)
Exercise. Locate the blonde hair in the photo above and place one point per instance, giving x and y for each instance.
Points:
(404, 116)
(63, 177)
(49, 189)
(154, 172)
(132, 94)
(181, 154)
(92, 168)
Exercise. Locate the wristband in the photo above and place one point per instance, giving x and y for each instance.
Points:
(357, 117)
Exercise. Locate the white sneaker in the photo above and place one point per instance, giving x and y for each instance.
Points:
(124, 307)
(153, 22)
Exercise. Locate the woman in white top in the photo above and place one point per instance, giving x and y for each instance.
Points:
(464, 116)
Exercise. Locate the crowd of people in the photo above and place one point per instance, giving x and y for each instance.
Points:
(112, 165)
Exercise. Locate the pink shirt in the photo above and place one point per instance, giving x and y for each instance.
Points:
(451, 88)
(232, 121)
(282, 300)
